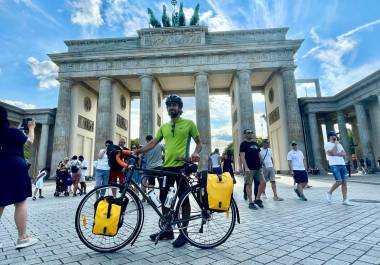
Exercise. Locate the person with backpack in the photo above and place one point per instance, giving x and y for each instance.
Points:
(102, 168)
(75, 169)
(266, 156)
(116, 171)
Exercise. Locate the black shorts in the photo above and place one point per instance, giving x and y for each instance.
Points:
(300, 176)
(170, 180)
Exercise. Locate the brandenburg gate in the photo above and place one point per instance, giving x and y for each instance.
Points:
(99, 77)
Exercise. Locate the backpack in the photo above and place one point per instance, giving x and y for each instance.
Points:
(74, 169)
(109, 215)
(216, 191)
(111, 153)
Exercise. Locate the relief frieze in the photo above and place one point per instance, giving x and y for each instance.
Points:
(179, 61)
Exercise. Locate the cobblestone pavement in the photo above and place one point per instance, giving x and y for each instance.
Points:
(288, 232)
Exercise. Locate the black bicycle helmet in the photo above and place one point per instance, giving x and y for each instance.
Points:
(174, 99)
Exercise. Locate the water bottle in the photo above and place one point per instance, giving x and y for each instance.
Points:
(153, 196)
(164, 182)
(170, 197)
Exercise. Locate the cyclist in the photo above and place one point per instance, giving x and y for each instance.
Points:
(177, 135)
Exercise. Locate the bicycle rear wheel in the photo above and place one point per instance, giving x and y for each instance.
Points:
(84, 219)
(204, 228)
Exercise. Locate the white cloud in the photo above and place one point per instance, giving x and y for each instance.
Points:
(86, 13)
(129, 16)
(37, 9)
(331, 54)
(221, 21)
(45, 71)
(19, 104)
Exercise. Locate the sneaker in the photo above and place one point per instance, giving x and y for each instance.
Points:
(328, 197)
(252, 206)
(41, 197)
(303, 198)
(180, 241)
(297, 192)
(34, 198)
(348, 203)
(23, 243)
(259, 203)
(163, 236)
(279, 199)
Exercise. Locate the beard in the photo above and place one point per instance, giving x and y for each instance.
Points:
(173, 114)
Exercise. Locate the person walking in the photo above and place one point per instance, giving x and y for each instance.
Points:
(250, 157)
(215, 162)
(296, 163)
(84, 169)
(39, 183)
(335, 156)
(76, 173)
(266, 156)
(116, 172)
(16, 184)
(177, 134)
(227, 165)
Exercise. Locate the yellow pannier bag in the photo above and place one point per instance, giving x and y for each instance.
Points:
(217, 191)
(108, 217)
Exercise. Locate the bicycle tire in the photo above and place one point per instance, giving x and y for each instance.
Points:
(232, 214)
(102, 246)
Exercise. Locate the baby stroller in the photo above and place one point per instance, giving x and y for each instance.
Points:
(63, 180)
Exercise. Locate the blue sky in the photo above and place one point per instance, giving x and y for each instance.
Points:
(340, 41)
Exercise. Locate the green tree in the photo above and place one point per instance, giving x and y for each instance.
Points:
(135, 142)
(229, 149)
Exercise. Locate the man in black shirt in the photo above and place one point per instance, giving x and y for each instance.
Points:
(250, 157)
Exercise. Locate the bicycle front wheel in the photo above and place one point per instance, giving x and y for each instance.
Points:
(84, 219)
(203, 228)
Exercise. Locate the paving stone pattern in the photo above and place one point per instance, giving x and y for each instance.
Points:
(288, 232)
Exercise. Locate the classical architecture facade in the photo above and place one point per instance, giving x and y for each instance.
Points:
(100, 77)
(40, 152)
(357, 107)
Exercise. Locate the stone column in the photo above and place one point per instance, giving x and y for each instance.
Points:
(314, 135)
(318, 88)
(62, 128)
(293, 115)
(364, 134)
(343, 133)
(43, 146)
(203, 116)
(103, 114)
(245, 105)
(329, 124)
(146, 107)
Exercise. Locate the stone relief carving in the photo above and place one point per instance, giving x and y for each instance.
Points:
(85, 123)
(123, 102)
(121, 122)
(87, 104)
(274, 116)
(254, 57)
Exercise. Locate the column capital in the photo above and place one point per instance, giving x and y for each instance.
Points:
(201, 73)
(105, 78)
(65, 80)
(146, 76)
(244, 71)
(287, 68)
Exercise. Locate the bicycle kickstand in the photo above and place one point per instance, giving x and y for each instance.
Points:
(158, 237)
